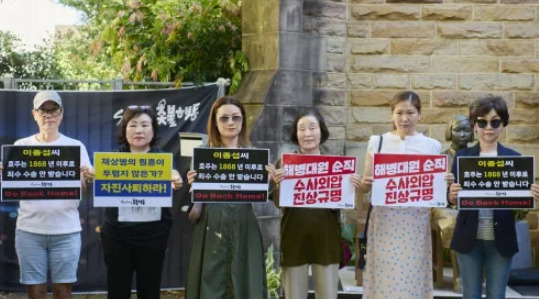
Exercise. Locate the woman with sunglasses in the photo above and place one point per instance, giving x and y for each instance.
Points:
(135, 239)
(226, 258)
(485, 239)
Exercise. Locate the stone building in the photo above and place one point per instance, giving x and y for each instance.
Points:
(350, 57)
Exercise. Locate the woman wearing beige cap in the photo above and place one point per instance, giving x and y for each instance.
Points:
(47, 238)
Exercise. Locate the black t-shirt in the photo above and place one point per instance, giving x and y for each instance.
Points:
(146, 234)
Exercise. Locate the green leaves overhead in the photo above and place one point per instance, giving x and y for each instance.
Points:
(39, 62)
(168, 40)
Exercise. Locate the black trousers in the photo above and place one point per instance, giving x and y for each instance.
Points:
(123, 260)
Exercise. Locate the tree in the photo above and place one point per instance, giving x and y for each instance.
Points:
(31, 64)
(167, 40)
(76, 62)
(10, 60)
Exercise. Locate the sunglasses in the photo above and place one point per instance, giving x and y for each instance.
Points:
(226, 119)
(142, 107)
(54, 112)
(482, 123)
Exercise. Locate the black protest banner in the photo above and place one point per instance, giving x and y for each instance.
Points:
(230, 175)
(501, 182)
(92, 117)
(40, 173)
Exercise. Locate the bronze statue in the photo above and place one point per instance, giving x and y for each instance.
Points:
(460, 132)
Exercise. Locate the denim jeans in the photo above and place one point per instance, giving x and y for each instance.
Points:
(39, 254)
(484, 255)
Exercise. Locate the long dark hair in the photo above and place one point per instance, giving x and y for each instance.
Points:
(214, 137)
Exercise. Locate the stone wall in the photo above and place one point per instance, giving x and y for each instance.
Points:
(350, 57)
(450, 52)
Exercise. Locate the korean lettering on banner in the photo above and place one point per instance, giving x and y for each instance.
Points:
(132, 179)
(317, 181)
(40, 173)
(170, 115)
(496, 182)
(230, 175)
(409, 180)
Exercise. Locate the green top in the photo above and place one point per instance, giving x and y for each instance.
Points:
(226, 258)
(308, 235)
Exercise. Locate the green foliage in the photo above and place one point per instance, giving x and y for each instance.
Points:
(10, 60)
(77, 62)
(446, 253)
(273, 274)
(167, 40)
(65, 57)
(348, 233)
(520, 214)
(21, 63)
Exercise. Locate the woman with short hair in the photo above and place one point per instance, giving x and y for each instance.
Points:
(485, 238)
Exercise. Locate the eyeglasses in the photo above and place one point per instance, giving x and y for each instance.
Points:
(482, 123)
(226, 119)
(142, 107)
(54, 112)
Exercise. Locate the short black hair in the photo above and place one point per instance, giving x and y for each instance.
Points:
(324, 132)
(129, 114)
(483, 106)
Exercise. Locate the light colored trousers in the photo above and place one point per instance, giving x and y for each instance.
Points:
(325, 278)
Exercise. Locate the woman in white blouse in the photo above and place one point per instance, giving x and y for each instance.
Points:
(399, 250)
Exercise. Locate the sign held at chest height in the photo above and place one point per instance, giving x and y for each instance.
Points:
(409, 180)
(40, 173)
(230, 175)
(318, 181)
(495, 182)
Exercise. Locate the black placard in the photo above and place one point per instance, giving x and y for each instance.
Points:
(501, 182)
(40, 172)
(230, 175)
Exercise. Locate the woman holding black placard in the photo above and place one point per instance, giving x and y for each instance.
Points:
(486, 238)
(226, 258)
(48, 234)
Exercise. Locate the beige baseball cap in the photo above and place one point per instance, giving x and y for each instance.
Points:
(47, 95)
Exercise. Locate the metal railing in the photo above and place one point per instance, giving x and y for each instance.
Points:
(83, 85)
